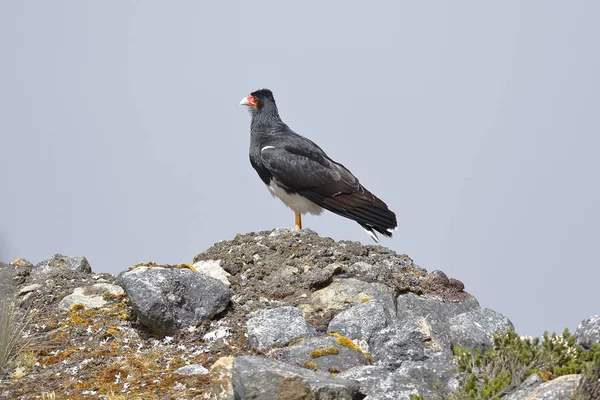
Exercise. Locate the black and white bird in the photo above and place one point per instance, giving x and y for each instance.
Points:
(298, 172)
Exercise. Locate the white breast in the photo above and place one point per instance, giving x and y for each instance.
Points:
(299, 204)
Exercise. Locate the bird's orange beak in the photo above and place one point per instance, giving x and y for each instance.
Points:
(249, 101)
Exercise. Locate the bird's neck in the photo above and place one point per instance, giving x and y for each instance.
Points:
(266, 117)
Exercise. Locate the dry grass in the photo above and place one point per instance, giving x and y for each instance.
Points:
(12, 328)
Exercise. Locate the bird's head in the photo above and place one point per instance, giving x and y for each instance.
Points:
(258, 100)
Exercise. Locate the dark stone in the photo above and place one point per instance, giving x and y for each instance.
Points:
(168, 299)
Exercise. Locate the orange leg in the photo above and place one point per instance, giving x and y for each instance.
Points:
(298, 221)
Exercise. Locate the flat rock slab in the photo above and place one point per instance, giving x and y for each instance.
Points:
(262, 378)
(90, 296)
(475, 329)
(323, 353)
(168, 299)
(192, 369)
(277, 327)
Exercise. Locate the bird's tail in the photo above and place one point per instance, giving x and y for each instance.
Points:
(366, 209)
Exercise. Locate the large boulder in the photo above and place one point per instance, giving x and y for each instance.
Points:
(168, 299)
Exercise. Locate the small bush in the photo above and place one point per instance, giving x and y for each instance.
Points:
(500, 370)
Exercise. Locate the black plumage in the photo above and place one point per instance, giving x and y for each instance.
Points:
(301, 174)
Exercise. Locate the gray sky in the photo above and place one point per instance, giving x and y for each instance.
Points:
(122, 138)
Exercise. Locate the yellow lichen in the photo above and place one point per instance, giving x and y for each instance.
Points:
(368, 357)
(324, 351)
(365, 299)
(310, 365)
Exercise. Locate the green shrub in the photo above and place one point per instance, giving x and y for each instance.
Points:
(503, 368)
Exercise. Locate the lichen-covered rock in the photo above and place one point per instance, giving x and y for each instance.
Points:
(90, 296)
(168, 299)
(588, 332)
(561, 388)
(475, 328)
(277, 327)
(262, 378)
(60, 263)
(361, 321)
(323, 353)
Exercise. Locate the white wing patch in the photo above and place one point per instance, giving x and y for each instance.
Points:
(266, 148)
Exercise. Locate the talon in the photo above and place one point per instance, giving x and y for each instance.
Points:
(188, 266)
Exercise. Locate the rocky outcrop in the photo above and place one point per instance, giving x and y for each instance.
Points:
(272, 315)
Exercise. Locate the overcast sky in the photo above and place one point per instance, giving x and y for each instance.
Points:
(477, 122)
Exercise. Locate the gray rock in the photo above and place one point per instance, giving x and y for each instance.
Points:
(90, 296)
(368, 376)
(213, 268)
(260, 378)
(60, 263)
(323, 353)
(397, 343)
(29, 288)
(588, 332)
(525, 388)
(192, 369)
(424, 378)
(434, 308)
(168, 299)
(361, 321)
(561, 388)
(345, 293)
(11, 276)
(433, 311)
(277, 327)
(474, 329)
